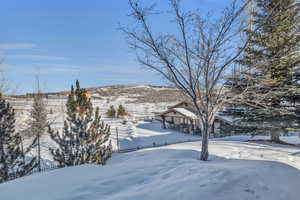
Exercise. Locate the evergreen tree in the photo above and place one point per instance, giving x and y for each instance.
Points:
(38, 123)
(273, 48)
(121, 111)
(269, 66)
(111, 112)
(13, 163)
(85, 138)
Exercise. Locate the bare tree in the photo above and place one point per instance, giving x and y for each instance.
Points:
(3, 81)
(196, 60)
(5, 87)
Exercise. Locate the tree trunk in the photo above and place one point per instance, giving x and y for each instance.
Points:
(204, 149)
(192, 127)
(275, 135)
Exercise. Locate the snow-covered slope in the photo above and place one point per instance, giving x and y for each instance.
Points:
(141, 100)
(172, 172)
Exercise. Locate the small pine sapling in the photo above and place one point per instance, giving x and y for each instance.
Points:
(85, 138)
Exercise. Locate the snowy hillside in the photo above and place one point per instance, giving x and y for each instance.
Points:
(138, 100)
(172, 172)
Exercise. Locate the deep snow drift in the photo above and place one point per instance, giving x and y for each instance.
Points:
(172, 172)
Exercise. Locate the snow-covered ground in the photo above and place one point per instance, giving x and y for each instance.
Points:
(236, 171)
(249, 151)
(130, 135)
(149, 134)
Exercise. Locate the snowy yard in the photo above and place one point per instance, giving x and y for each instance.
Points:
(131, 136)
(149, 134)
(236, 171)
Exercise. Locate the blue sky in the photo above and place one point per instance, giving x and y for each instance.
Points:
(65, 40)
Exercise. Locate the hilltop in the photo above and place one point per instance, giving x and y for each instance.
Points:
(135, 93)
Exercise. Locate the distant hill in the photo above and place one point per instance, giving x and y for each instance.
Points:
(138, 100)
(134, 93)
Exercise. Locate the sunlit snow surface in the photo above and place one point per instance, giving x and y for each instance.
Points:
(174, 173)
(237, 170)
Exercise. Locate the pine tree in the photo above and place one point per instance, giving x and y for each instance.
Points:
(273, 49)
(38, 123)
(85, 138)
(111, 112)
(269, 65)
(121, 111)
(13, 160)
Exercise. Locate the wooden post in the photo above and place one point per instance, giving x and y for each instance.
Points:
(164, 122)
(22, 149)
(192, 126)
(118, 145)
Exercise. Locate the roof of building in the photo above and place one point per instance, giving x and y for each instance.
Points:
(186, 113)
(178, 104)
(181, 111)
(191, 115)
(227, 119)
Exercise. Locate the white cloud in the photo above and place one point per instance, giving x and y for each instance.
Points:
(17, 46)
(37, 57)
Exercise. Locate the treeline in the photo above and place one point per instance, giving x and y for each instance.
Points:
(268, 81)
(120, 112)
(84, 138)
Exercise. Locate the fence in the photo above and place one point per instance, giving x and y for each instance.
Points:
(50, 166)
(43, 168)
(155, 145)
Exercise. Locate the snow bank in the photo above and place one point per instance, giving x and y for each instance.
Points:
(161, 174)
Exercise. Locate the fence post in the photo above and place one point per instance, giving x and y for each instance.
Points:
(118, 145)
(39, 153)
(22, 149)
